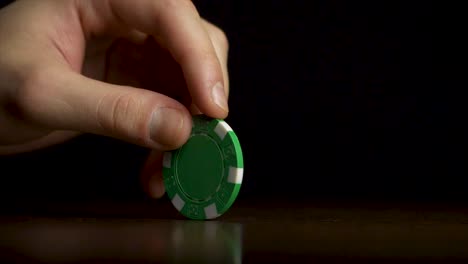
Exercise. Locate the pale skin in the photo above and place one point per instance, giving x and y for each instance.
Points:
(132, 70)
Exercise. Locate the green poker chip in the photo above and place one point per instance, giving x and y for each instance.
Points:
(204, 176)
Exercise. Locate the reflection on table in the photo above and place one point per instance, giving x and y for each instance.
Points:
(88, 240)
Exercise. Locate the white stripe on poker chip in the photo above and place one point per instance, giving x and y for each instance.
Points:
(235, 175)
(178, 202)
(167, 159)
(211, 211)
(221, 129)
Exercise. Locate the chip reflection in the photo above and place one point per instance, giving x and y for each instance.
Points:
(94, 240)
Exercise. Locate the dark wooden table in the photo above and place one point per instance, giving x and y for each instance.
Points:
(251, 232)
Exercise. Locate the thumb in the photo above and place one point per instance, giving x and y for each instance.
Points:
(70, 101)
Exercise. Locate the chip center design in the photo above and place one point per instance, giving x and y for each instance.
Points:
(202, 172)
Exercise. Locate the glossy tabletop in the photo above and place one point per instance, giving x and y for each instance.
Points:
(251, 232)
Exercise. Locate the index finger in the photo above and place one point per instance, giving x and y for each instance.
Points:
(177, 24)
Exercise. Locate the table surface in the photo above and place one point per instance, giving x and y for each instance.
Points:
(251, 232)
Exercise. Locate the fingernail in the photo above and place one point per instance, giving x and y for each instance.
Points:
(219, 96)
(165, 124)
(156, 188)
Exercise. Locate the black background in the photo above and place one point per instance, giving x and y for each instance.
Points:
(330, 100)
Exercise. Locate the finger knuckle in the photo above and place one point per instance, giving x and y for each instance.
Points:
(122, 115)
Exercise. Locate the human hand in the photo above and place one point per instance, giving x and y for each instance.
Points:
(132, 70)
